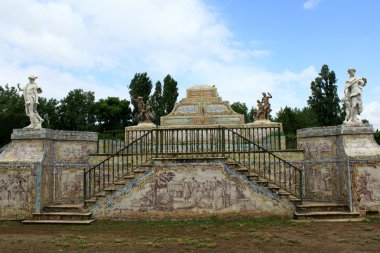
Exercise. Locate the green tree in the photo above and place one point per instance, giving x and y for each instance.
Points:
(169, 94)
(242, 109)
(77, 111)
(294, 119)
(12, 113)
(113, 113)
(324, 101)
(140, 86)
(377, 136)
(48, 110)
(156, 103)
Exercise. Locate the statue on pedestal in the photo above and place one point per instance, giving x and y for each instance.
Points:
(353, 96)
(31, 91)
(144, 115)
(263, 107)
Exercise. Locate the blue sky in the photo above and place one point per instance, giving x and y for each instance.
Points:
(243, 47)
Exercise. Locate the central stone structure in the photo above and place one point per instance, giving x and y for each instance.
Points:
(202, 106)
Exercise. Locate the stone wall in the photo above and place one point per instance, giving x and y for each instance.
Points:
(335, 154)
(190, 189)
(42, 167)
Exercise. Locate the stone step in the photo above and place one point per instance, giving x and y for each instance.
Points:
(325, 215)
(322, 207)
(121, 182)
(62, 216)
(252, 177)
(62, 222)
(273, 188)
(129, 177)
(64, 208)
(139, 171)
(243, 171)
(263, 182)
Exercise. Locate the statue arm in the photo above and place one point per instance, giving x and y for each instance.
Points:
(19, 88)
(269, 95)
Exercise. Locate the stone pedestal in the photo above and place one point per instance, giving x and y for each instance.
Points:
(335, 154)
(134, 132)
(42, 167)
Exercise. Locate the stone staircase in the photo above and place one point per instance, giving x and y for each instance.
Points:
(120, 184)
(260, 181)
(324, 211)
(71, 214)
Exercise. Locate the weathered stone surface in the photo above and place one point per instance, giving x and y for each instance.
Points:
(332, 154)
(17, 195)
(183, 189)
(202, 106)
(48, 165)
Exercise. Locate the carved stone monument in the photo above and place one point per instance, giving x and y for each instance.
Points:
(353, 97)
(144, 114)
(31, 91)
(263, 108)
(202, 106)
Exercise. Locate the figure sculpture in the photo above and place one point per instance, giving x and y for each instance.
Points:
(30, 92)
(144, 115)
(263, 107)
(353, 96)
(259, 114)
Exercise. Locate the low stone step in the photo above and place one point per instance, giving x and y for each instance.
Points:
(62, 216)
(110, 189)
(64, 208)
(322, 207)
(263, 182)
(120, 182)
(62, 222)
(90, 201)
(325, 215)
(242, 170)
(273, 188)
(139, 171)
(100, 195)
(252, 177)
(129, 177)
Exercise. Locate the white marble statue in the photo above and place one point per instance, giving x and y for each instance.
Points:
(353, 96)
(31, 91)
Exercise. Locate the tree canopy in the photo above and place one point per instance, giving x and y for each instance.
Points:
(169, 94)
(324, 101)
(242, 108)
(156, 103)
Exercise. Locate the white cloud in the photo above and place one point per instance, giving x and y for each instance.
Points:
(371, 113)
(99, 45)
(311, 4)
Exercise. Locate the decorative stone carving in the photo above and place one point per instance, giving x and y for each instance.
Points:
(353, 96)
(31, 91)
(202, 107)
(144, 115)
(263, 107)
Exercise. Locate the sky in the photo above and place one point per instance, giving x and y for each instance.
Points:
(243, 47)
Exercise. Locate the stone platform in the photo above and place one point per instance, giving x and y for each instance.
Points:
(342, 163)
(41, 167)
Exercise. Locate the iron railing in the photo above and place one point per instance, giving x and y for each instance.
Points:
(111, 141)
(116, 166)
(194, 143)
(264, 163)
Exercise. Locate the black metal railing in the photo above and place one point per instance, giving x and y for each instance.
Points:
(264, 163)
(235, 143)
(111, 141)
(116, 166)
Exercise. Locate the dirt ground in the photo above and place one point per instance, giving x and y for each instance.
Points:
(211, 235)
